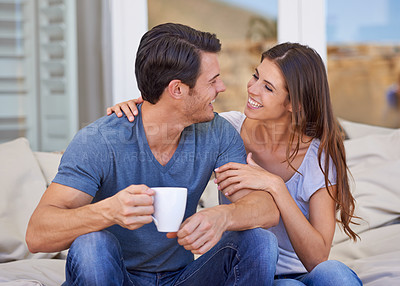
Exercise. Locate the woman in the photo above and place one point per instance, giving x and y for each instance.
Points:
(296, 153)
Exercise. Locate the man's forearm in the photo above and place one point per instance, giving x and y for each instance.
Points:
(256, 209)
(62, 226)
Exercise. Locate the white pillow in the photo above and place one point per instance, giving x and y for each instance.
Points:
(48, 163)
(356, 130)
(374, 162)
(21, 187)
(376, 258)
(33, 272)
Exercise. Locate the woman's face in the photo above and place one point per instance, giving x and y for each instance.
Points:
(267, 95)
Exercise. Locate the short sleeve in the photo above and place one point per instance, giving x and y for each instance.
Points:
(231, 147)
(314, 178)
(85, 162)
(231, 150)
(235, 118)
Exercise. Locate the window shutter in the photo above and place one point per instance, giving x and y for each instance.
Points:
(18, 85)
(38, 74)
(58, 73)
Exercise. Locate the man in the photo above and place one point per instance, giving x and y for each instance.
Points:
(100, 203)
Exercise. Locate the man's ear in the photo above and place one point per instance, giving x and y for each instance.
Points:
(177, 89)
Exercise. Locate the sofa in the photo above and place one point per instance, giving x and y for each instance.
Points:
(373, 155)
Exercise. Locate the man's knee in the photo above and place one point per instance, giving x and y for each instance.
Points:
(95, 244)
(258, 241)
(95, 258)
(259, 237)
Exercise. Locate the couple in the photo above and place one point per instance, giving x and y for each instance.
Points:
(100, 202)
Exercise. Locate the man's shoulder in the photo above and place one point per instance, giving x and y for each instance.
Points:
(110, 121)
(105, 130)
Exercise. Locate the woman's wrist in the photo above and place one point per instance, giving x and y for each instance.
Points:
(273, 185)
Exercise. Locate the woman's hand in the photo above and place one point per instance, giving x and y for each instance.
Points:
(233, 177)
(127, 107)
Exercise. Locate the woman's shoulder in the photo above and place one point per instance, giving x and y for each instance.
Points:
(235, 118)
(313, 175)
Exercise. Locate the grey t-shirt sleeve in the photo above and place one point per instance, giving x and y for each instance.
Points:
(85, 162)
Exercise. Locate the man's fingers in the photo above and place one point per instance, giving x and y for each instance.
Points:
(146, 210)
(135, 222)
(140, 189)
(203, 249)
(171, 234)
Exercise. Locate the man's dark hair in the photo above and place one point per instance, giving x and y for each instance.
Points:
(167, 52)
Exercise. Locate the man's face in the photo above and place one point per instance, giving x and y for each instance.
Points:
(198, 104)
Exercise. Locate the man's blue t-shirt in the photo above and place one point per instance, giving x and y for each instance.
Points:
(112, 154)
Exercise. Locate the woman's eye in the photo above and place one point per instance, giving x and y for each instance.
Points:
(269, 89)
(255, 76)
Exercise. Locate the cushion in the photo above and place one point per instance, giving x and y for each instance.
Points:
(48, 163)
(21, 187)
(33, 272)
(373, 242)
(356, 130)
(375, 258)
(374, 162)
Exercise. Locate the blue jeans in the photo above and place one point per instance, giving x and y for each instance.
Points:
(240, 258)
(328, 273)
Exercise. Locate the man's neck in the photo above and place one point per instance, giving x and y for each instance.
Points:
(163, 130)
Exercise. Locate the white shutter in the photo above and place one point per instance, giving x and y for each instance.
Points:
(58, 73)
(38, 72)
(18, 89)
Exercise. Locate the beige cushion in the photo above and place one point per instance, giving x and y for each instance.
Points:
(21, 187)
(374, 162)
(49, 272)
(48, 163)
(357, 130)
(376, 258)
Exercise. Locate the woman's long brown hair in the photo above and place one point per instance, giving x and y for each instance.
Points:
(307, 84)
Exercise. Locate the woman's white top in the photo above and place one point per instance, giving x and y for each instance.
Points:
(301, 187)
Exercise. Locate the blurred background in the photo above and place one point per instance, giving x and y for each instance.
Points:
(62, 62)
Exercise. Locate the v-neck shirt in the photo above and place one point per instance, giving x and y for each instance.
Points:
(113, 153)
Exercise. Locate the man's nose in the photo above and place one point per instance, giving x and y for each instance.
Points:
(221, 87)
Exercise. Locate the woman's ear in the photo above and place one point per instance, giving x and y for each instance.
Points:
(177, 89)
(288, 104)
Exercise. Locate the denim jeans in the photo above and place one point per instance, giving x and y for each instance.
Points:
(328, 273)
(239, 258)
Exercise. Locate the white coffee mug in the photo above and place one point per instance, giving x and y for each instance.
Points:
(169, 208)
